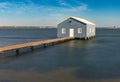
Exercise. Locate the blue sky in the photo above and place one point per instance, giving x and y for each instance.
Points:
(51, 12)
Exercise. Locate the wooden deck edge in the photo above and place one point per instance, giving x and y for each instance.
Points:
(17, 47)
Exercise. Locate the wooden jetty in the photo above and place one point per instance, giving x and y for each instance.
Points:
(31, 45)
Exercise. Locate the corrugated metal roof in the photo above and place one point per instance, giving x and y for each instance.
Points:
(81, 20)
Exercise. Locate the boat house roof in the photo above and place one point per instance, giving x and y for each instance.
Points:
(81, 20)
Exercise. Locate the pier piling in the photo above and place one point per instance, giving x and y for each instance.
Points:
(17, 52)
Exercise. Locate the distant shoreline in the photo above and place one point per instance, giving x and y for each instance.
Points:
(48, 27)
(28, 26)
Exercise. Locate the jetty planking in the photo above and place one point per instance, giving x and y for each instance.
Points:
(45, 43)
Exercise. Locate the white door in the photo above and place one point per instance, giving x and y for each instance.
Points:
(71, 32)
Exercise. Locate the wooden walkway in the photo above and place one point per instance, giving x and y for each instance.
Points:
(33, 44)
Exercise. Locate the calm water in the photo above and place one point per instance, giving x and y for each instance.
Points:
(22, 35)
(96, 60)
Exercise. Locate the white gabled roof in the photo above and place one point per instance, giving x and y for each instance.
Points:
(81, 20)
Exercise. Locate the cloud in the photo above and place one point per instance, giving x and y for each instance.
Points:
(16, 7)
(63, 3)
(82, 7)
(32, 13)
(31, 7)
(69, 7)
(4, 4)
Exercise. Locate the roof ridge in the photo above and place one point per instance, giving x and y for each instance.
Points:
(82, 20)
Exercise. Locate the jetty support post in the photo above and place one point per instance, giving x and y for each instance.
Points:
(32, 48)
(17, 52)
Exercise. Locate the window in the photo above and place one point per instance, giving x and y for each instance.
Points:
(63, 30)
(90, 30)
(79, 30)
(93, 30)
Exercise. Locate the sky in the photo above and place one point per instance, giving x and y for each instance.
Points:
(104, 13)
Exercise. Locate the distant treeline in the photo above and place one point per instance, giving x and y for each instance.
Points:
(28, 26)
